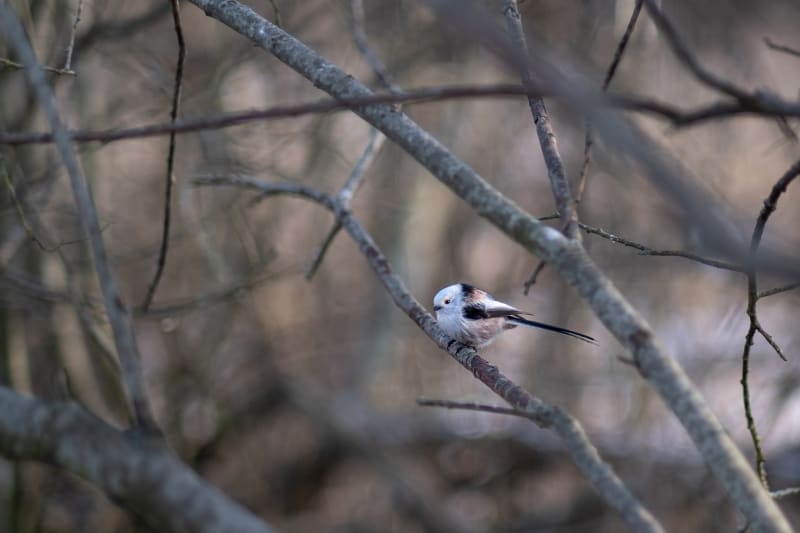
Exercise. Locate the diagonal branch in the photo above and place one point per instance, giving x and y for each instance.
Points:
(584, 454)
(376, 138)
(687, 57)
(346, 193)
(567, 256)
(565, 204)
(118, 314)
(781, 47)
(148, 480)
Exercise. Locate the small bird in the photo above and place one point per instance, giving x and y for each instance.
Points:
(472, 316)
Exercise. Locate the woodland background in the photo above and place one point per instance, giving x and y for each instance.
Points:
(297, 397)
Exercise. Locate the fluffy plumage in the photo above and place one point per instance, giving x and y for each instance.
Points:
(474, 317)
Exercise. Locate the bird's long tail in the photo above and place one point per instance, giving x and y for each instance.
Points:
(515, 319)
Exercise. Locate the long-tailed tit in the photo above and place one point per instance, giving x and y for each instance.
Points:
(472, 316)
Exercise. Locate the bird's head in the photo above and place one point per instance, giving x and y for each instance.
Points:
(450, 300)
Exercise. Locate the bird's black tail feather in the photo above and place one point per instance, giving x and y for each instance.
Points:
(516, 319)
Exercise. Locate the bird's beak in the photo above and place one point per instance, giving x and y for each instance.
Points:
(437, 308)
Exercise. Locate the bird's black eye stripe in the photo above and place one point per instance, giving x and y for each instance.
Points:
(474, 312)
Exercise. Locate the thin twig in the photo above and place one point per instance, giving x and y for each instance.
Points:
(764, 104)
(687, 57)
(559, 184)
(357, 27)
(277, 12)
(351, 185)
(210, 298)
(584, 454)
(376, 138)
(781, 47)
(18, 208)
(531, 281)
(778, 290)
(644, 250)
(565, 205)
(118, 315)
(72, 33)
(473, 406)
(748, 413)
(783, 493)
(227, 120)
(770, 340)
(612, 69)
(770, 204)
(13, 64)
(170, 178)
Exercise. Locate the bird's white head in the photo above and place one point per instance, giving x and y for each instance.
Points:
(448, 301)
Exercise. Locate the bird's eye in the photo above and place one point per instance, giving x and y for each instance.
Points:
(447, 301)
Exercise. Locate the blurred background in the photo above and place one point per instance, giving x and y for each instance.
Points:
(298, 397)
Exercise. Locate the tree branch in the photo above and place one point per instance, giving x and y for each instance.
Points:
(763, 104)
(170, 178)
(612, 69)
(687, 57)
(584, 454)
(118, 315)
(770, 204)
(645, 250)
(145, 478)
(568, 257)
(565, 204)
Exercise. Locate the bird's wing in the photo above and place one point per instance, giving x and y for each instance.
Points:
(490, 309)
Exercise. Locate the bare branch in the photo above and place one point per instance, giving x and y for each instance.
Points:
(72, 33)
(473, 406)
(13, 64)
(212, 297)
(228, 120)
(118, 315)
(612, 69)
(565, 204)
(781, 47)
(764, 104)
(531, 281)
(748, 412)
(585, 456)
(778, 290)
(360, 37)
(687, 57)
(567, 256)
(170, 177)
(645, 250)
(12, 193)
(770, 204)
(783, 493)
(149, 480)
(376, 138)
(351, 185)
